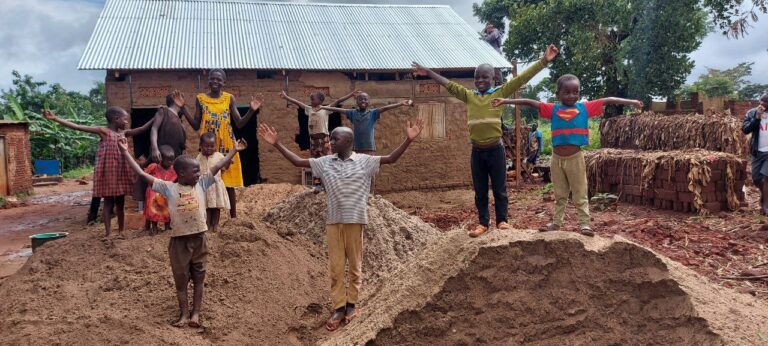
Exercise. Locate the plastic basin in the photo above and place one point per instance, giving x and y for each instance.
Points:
(42, 238)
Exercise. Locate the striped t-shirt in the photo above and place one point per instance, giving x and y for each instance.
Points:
(347, 183)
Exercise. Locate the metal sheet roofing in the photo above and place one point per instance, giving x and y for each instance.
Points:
(199, 34)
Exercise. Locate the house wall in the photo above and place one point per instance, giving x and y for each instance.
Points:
(19, 157)
(428, 164)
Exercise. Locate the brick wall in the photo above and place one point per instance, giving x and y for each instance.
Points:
(19, 157)
(739, 109)
(428, 164)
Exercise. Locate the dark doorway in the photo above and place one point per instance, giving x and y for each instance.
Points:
(249, 158)
(139, 117)
(302, 138)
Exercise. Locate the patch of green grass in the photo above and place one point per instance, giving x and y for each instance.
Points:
(78, 172)
(547, 189)
(594, 135)
(2, 201)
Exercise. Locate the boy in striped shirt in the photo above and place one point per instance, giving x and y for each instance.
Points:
(570, 131)
(484, 122)
(347, 177)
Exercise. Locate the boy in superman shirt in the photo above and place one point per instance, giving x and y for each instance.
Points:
(570, 131)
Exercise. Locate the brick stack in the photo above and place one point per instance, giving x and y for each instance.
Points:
(665, 179)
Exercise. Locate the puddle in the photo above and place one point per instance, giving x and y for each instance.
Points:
(76, 198)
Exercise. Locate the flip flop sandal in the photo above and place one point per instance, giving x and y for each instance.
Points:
(550, 227)
(587, 231)
(332, 325)
(348, 318)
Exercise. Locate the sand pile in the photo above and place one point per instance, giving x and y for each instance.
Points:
(551, 289)
(391, 237)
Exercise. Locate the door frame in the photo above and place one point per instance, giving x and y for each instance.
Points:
(7, 191)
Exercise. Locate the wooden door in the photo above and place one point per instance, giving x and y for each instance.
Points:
(3, 168)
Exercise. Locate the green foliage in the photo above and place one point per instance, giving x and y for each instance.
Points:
(731, 18)
(752, 91)
(547, 188)
(78, 172)
(731, 82)
(618, 48)
(25, 102)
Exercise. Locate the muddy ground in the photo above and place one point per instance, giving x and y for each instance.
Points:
(425, 282)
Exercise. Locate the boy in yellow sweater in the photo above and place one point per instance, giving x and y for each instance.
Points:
(484, 122)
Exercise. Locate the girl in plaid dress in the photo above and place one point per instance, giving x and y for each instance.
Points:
(112, 177)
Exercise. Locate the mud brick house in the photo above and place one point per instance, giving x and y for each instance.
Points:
(150, 47)
(15, 158)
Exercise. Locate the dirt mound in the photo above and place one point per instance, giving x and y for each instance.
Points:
(391, 237)
(551, 289)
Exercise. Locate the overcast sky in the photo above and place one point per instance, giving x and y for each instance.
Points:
(45, 38)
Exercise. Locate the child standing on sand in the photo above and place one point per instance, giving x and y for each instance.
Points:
(156, 208)
(187, 249)
(112, 178)
(570, 131)
(484, 122)
(319, 143)
(216, 196)
(347, 176)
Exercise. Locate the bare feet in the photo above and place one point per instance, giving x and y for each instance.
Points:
(182, 322)
(194, 321)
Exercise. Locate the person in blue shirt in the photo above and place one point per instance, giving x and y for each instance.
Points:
(535, 144)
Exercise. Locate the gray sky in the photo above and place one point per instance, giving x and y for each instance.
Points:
(45, 38)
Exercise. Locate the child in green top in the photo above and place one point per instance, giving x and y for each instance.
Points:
(484, 122)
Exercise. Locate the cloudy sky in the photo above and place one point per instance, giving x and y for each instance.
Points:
(45, 38)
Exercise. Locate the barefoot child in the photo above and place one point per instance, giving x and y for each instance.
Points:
(156, 208)
(570, 131)
(187, 249)
(347, 177)
(216, 196)
(112, 178)
(485, 132)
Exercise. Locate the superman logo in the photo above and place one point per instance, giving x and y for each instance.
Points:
(567, 113)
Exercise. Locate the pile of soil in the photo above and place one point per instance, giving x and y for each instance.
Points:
(391, 237)
(556, 288)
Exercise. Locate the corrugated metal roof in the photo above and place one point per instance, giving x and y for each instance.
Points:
(198, 34)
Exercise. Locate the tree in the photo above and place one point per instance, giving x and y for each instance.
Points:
(753, 91)
(732, 82)
(26, 100)
(732, 17)
(618, 48)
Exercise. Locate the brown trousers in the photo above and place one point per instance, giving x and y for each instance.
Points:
(345, 246)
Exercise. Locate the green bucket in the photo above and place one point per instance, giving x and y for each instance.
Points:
(42, 238)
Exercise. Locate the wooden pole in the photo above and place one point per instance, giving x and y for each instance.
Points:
(518, 133)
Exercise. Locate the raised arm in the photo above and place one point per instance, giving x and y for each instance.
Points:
(123, 144)
(620, 101)
(195, 121)
(752, 120)
(514, 84)
(66, 123)
(424, 71)
(239, 146)
(338, 102)
(520, 102)
(269, 134)
(413, 131)
(334, 109)
(154, 149)
(298, 103)
(141, 129)
(395, 105)
(241, 121)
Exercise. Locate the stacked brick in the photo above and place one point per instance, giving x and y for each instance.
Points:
(685, 181)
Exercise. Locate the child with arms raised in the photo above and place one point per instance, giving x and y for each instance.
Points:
(156, 208)
(112, 178)
(187, 249)
(484, 122)
(570, 131)
(216, 196)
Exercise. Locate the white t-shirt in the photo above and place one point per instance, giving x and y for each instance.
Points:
(762, 141)
(186, 204)
(318, 120)
(347, 184)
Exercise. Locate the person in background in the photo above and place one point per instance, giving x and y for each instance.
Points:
(492, 36)
(756, 124)
(535, 144)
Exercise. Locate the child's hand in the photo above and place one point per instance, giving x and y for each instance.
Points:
(123, 144)
(283, 95)
(418, 69)
(268, 133)
(414, 129)
(256, 102)
(760, 109)
(551, 52)
(241, 145)
(497, 102)
(406, 102)
(142, 160)
(178, 98)
(357, 93)
(637, 104)
(48, 114)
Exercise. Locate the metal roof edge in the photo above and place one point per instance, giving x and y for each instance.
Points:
(309, 4)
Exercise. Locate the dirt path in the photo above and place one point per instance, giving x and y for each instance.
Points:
(59, 208)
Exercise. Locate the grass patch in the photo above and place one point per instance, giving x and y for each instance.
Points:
(78, 172)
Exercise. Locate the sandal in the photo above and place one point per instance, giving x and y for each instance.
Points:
(478, 231)
(333, 323)
(550, 227)
(587, 231)
(350, 315)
